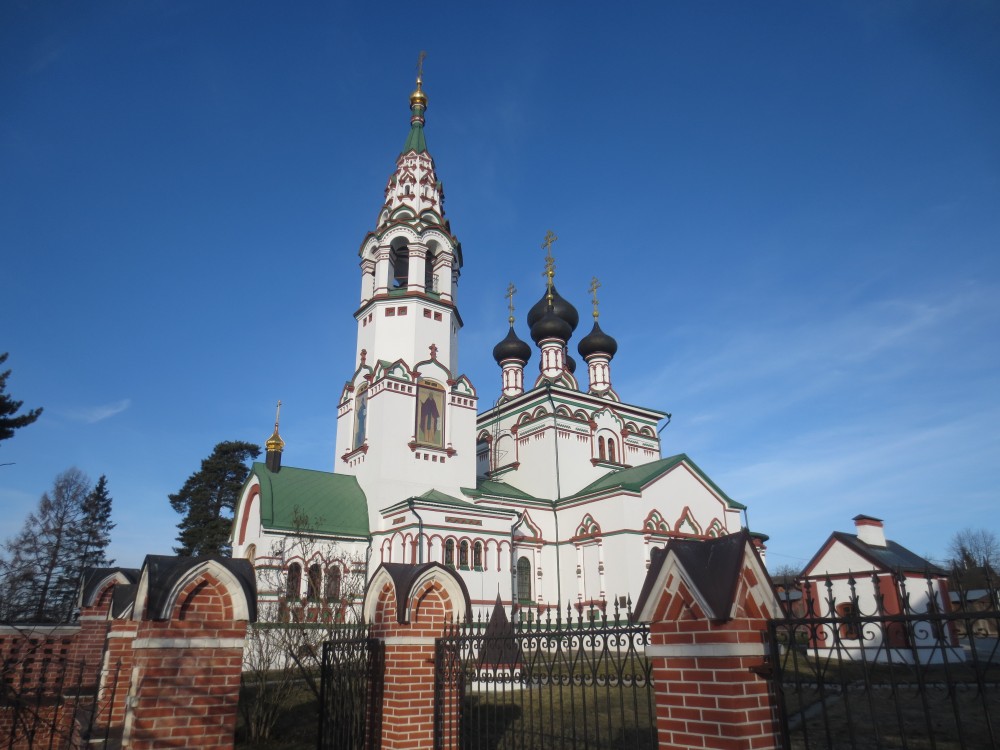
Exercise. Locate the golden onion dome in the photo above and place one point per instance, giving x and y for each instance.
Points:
(275, 443)
(418, 98)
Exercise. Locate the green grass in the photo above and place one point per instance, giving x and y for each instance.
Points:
(869, 720)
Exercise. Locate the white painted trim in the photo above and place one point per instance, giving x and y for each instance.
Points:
(410, 640)
(706, 649)
(123, 633)
(188, 643)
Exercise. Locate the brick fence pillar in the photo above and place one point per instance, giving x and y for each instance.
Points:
(117, 672)
(708, 603)
(409, 607)
(103, 594)
(183, 686)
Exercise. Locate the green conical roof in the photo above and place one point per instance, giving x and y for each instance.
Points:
(415, 140)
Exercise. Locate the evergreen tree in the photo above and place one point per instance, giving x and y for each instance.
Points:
(208, 498)
(89, 539)
(9, 407)
(40, 575)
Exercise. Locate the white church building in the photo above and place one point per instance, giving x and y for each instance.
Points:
(553, 497)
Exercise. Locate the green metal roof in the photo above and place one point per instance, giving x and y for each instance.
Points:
(499, 489)
(443, 499)
(332, 503)
(636, 478)
(415, 140)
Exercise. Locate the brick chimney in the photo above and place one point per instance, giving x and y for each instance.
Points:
(870, 530)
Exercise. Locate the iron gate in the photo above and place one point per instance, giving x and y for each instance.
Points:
(857, 671)
(578, 682)
(351, 686)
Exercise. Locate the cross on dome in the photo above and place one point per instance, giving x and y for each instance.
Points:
(594, 286)
(550, 263)
(511, 290)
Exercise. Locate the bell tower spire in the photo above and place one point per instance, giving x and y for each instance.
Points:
(406, 401)
(411, 262)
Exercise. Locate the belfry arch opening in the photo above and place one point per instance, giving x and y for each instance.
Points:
(430, 277)
(399, 258)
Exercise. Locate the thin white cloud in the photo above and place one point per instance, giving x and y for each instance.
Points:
(94, 414)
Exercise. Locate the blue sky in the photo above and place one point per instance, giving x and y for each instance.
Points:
(793, 208)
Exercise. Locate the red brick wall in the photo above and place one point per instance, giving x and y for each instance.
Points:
(35, 668)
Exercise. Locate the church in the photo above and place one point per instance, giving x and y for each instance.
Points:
(551, 497)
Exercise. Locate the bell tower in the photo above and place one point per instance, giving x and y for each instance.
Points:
(411, 262)
(405, 415)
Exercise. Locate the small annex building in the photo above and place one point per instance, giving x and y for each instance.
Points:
(554, 495)
(865, 575)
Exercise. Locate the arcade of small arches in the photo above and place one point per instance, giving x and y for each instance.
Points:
(464, 553)
(318, 581)
(607, 445)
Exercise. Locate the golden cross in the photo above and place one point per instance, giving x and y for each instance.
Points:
(594, 286)
(550, 262)
(420, 67)
(511, 290)
(547, 243)
(277, 416)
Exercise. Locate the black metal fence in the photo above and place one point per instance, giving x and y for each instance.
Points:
(887, 662)
(555, 682)
(45, 702)
(353, 673)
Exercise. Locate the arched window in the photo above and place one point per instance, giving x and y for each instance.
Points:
(477, 556)
(315, 582)
(850, 624)
(523, 579)
(601, 453)
(400, 266)
(449, 552)
(361, 416)
(463, 555)
(294, 581)
(333, 576)
(611, 451)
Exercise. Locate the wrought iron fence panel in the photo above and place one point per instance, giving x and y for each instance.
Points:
(351, 687)
(43, 702)
(573, 682)
(865, 669)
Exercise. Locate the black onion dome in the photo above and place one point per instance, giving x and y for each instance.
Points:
(570, 364)
(511, 348)
(597, 342)
(551, 326)
(560, 307)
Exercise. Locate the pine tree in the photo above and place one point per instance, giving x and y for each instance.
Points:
(208, 498)
(89, 539)
(9, 407)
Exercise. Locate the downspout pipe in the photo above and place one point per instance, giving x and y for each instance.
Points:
(420, 531)
(555, 502)
(669, 417)
(513, 564)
